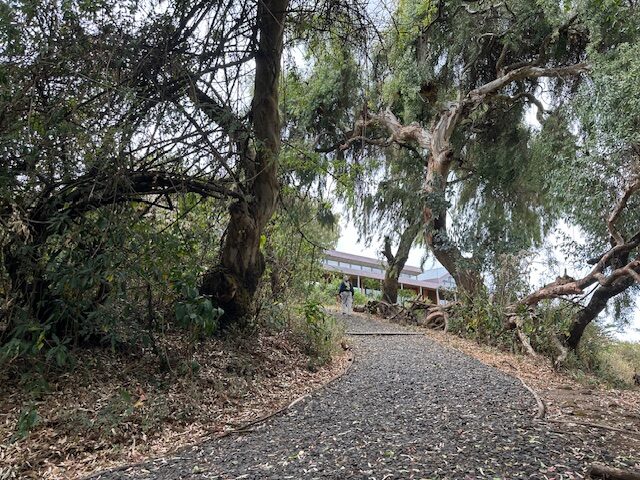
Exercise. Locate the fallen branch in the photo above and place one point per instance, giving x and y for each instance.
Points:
(594, 425)
(542, 408)
(385, 333)
(597, 470)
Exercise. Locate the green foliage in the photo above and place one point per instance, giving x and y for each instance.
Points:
(196, 313)
(320, 332)
(295, 240)
(406, 295)
(599, 357)
(326, 292)
(608, 360)
(320, 102)
(482, 320)
(359, 298)
(27, 421)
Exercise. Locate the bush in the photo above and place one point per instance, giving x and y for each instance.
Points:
(359, 298)
(481, 320)
(406, 295)
(599, 355)
(610, 360)
(318, 332)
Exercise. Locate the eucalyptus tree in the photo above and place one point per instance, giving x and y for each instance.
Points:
(460, 78)
(596, 179)
(104, 110)
(379, 187)
(385, 206)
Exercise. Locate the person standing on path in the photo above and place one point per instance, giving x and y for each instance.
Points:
(346, 295)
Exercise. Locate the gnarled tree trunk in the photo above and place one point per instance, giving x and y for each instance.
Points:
(234, 281)
(468, 278)
(395, 263)
(436, 142)
(596, 305)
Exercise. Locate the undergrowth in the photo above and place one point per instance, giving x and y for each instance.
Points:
(600, 357)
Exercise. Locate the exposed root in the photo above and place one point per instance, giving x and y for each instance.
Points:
(602, 471)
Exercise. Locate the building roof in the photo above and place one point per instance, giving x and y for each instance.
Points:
(378, 276)
(361, 260)
(434, 273)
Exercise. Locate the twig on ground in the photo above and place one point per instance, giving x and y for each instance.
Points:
(594, 425)
(244, 428)
(542, 408)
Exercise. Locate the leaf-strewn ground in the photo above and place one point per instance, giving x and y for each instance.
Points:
(408, 409)
(119, 408)
(582, 407)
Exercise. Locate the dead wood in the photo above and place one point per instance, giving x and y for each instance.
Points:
(437, 316)
(595, 425)
(542, 408)
(597, 470)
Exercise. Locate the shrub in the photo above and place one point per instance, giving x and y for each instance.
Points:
(197, 314)
(359, 298)
(482, 320)
(405, 295)
(318, 332)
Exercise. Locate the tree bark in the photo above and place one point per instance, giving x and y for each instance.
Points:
(468, 278)
(596, 305)
(234, 281)
(395, 263)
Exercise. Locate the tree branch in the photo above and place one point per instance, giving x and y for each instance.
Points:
(618, 209)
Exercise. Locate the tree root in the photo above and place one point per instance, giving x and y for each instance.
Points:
(594, 425)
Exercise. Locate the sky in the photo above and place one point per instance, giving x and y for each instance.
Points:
(349, 243)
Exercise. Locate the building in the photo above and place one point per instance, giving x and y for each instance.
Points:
(425, 284)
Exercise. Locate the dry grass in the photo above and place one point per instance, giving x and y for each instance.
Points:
(118, 409)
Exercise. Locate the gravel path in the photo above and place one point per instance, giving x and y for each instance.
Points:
(407, 409)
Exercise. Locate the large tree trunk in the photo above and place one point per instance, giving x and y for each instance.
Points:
(234, 281)
(395, 263)
(467, 277)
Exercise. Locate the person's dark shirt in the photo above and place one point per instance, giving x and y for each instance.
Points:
(344, 288)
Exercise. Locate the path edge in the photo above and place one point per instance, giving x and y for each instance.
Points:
(243, 429)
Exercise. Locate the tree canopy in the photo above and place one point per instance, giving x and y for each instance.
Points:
(188, 131)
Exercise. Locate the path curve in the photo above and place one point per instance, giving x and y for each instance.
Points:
(408, 409)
